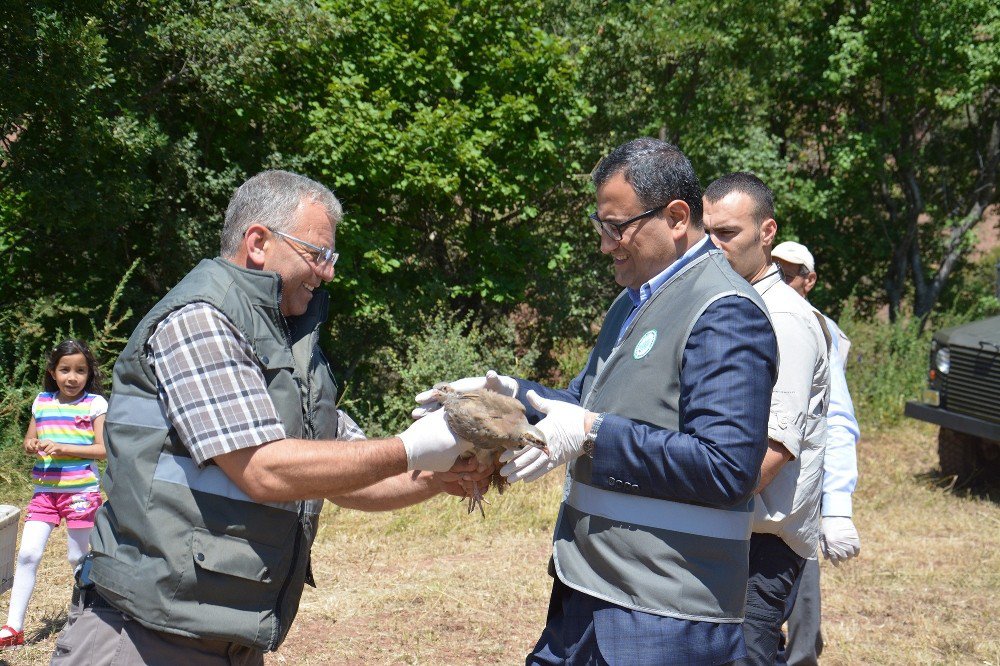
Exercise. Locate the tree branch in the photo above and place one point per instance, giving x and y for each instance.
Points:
(982, 195)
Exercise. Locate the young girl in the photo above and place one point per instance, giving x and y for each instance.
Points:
(66, 436)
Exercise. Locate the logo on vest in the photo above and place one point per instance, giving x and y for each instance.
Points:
(644, 345)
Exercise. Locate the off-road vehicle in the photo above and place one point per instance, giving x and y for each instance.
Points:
(963, 398)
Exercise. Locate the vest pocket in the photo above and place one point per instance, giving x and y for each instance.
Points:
(233, 556)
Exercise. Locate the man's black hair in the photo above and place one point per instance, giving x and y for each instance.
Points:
(746, 183)
(658, 172)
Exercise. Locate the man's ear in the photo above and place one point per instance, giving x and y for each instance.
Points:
(768, 230)
(255, 242)
(810, 282)
(679, 214)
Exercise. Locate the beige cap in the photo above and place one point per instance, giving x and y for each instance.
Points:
(795, 253)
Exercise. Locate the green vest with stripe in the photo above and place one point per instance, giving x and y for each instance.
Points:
(668, 558)
(180, 548)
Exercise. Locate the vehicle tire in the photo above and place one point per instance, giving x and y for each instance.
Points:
(959, 455)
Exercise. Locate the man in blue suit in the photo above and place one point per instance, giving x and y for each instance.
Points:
(663, 431)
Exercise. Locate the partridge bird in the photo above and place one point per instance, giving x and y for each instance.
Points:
(493, 423)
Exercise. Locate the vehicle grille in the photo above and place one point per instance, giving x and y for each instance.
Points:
(972, 385)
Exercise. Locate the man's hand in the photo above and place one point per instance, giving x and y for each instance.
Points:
(459, 479)
(430, 445)
(565, 429)
(839, 540)
(497, 383)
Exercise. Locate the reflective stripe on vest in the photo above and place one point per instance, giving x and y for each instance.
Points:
(662, 514)
(654, 569)
(138, 410)
(184, 471)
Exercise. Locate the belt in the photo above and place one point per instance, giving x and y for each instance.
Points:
(89, 598)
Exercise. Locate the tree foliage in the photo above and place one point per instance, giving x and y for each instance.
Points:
(875, 122)
(459, 135)
(906, 122)
(445, 134)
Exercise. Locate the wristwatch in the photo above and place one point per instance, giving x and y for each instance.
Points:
(591, 439)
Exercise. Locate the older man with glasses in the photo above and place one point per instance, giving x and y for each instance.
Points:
(222, 432)
(839, 538)
(663, 433)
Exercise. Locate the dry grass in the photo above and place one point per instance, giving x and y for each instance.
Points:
(431, 585)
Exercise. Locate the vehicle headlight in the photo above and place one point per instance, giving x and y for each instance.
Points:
(942, 360)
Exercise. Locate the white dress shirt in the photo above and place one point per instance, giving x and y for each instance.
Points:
(840, 463)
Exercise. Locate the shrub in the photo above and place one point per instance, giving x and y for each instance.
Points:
(449, 347)
(887, 366)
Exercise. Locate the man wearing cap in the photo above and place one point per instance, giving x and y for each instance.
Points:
(739, 216)
(839, 538)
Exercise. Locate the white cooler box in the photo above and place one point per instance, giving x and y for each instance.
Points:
(9, 520)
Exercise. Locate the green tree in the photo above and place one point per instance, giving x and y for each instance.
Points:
(129, 124)
(875, 123)
(897, 115)
(444, 129)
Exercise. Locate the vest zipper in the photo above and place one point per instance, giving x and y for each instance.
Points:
(313, 363)
(308, 422)
(280, 603)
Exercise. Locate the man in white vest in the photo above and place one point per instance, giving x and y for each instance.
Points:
(739, 215)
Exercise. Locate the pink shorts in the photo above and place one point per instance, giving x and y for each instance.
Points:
(76, 508)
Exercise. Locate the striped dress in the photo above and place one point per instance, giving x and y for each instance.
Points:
(66, 423)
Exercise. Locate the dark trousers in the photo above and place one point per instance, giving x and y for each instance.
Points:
(774, 567)
(582, 630)
(805, 639)
(569, 636)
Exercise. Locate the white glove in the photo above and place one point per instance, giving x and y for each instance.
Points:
(564, 434)
(430, 445)
(839, 540)
(497, 383)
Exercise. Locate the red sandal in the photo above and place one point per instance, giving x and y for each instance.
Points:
(15, 639)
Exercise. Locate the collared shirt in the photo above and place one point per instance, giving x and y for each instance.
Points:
(840, 463)
(643, 294)
(347, 429)
(789, 506)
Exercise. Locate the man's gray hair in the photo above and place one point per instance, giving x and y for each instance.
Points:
(272, 199)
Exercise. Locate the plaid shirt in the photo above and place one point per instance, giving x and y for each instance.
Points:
(211, 384)
(346, 427)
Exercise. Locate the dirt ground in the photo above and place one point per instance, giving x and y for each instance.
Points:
(432, 585)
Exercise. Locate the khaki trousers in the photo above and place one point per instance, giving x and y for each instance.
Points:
(108, 637)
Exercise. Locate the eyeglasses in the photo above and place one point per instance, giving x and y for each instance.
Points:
(789, 276)
(321, 256)
(614, 229)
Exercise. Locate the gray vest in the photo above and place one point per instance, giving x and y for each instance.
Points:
(663, 557)
(181, 548)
